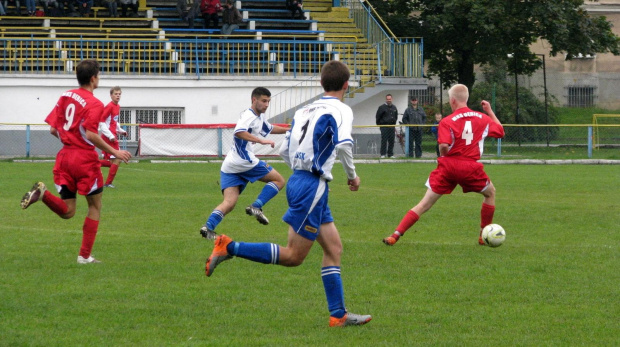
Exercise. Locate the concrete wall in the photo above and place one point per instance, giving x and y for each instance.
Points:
(28, 99)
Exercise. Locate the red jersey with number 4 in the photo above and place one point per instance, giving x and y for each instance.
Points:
(465, 130)
(76, 111)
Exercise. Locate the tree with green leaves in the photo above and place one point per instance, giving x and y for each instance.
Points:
(459, 34)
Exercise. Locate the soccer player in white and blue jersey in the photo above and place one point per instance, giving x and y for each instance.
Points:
(241, 165)
(320, 132)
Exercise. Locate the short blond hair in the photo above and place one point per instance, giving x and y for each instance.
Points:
(459, 92)
(115, 88)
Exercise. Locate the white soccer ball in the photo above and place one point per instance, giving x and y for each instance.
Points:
(493, 235)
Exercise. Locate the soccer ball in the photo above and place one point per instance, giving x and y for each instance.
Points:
(493, 235)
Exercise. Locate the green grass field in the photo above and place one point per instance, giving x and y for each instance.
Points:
(555, 281)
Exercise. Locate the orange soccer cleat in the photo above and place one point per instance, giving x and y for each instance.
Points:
(218, 255)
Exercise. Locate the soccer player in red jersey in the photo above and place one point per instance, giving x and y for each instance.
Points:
(75, 121)
(109, 127)
(461, 137)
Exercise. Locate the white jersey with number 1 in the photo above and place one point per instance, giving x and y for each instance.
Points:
(241, 156)
(317, 130)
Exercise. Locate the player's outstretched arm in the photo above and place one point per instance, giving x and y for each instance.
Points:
(280, 130)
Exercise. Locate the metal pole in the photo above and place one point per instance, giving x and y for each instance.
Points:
(517, 98)
(545, 86)
(590, 142)
(440, 97)
(28, 141)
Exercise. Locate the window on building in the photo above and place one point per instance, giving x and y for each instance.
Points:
(425, 96)
(581, 96)
(133, 116)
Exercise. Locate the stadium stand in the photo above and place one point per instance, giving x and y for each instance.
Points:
(268, 42)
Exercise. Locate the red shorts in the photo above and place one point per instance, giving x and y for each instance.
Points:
(79, 170)
(114, 145)
(468, 174)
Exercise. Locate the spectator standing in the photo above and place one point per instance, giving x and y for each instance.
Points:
(434, 132)
(414, 114)
(126, 4)
(461, 140)
(210, 9)
(295, 6)
(387, 114)
(112, 6)
(231, 18)
(75, 120)
(109, 127)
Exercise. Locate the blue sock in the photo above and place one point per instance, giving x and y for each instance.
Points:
(269, 191)
(214, 219)
(332, 282)
(266, 253)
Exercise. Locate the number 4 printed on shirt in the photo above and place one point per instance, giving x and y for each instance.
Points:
(468, 134)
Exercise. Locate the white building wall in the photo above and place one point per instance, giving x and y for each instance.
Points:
(29, 99)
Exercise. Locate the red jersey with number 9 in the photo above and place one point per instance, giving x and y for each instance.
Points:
(465, 130)
(76, 111)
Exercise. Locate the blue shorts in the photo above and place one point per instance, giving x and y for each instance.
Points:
(307, 194)
(241, 179)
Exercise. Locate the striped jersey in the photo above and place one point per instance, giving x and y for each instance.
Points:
(317, 130)
(465, 130)
(241, 156)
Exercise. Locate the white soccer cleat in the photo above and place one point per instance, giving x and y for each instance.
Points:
(258, 213)
(34, 194)
(89, 260)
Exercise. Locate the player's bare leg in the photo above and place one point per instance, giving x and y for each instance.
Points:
(412, 216)
(274, 184)
(231, 195)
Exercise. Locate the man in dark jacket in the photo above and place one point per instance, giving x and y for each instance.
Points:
(230, 18)
(387, 114)
(414, 114)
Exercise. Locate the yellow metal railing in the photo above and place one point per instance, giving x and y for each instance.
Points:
(399, 57)
(273, 55)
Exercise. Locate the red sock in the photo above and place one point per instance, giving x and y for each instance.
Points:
(407, 222)
(54, 203)
(105, 163)
(486, 215)
(111, 174)
(89, 232)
